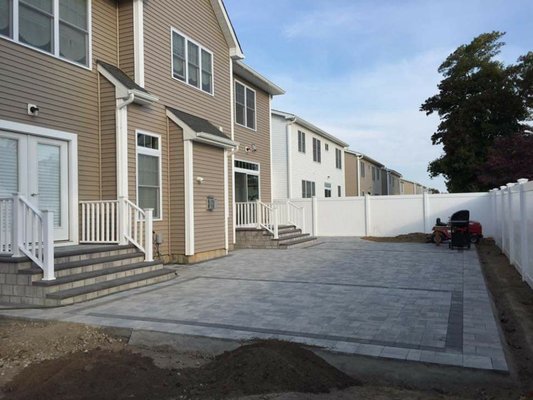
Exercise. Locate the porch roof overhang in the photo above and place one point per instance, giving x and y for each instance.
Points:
(124, 85)
(200, 130)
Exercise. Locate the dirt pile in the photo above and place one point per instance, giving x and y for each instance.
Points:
(416, 237)
(262, 367)
(23, 343)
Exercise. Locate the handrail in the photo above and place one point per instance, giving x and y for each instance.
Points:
(137, 226)
(295, 215)
(99, 221)
(33, 235)
(267, 218)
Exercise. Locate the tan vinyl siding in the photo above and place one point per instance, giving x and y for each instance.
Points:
(176, 189)
(126, 40)
(67, 95)
(260, 137)
(208, 225)
(108, 140)
(198, 21)
(350, 174)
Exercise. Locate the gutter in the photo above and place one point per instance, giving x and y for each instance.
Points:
(291, 120)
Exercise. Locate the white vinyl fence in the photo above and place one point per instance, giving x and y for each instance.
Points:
(512, 207)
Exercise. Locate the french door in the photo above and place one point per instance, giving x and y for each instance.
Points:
(37, 167)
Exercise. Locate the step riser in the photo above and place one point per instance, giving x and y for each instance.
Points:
(297, 245)
(105, 292)
(106, 253)
(102, 278)
(285, 234)
(93, 267)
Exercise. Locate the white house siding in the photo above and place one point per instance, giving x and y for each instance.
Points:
(279, 158)
(302, 166)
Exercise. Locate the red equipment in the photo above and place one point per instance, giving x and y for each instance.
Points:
(443, 232)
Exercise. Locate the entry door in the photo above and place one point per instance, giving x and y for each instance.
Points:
(38, 169)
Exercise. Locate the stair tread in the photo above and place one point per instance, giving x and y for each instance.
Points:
(64, 294)
(291, 237)
(93, 274)
(302, 240)
(33, 270)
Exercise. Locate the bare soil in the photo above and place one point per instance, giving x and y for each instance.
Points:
(54, 360)
(513, 300)
(415, 237)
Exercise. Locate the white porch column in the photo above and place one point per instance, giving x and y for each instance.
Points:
(226, 201)
(16, 222)
(189, 197)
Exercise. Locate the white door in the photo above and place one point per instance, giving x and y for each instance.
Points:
(38, 169)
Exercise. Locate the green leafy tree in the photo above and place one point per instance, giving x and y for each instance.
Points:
(479, 100)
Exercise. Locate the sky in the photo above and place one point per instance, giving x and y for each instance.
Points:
(360, 69)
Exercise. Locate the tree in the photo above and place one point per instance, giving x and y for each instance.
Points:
(479, 100)
(508, 160)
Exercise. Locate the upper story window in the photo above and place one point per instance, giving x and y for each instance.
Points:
(308, 189)
(57, 27)
(244, 105)
(338, 159)
(191, 63)
(362, 169)
(301, 142)
(327, 190)
(326, 146)
(317, 151)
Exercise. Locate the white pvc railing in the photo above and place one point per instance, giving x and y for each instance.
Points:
(246, 214)
(33, 235)
(512, 209)
(117, 221)
(267, 217)
(295, 215)
(99, 221)
(6, 215)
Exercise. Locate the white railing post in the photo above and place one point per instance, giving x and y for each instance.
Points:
(48, 245)
(16, 228)
(314, 216)
(512, 247)
(122, 221)
(148, 232)
(523, 230)
(368, 220)
(275, 221)
(258, 219)
(425, 201)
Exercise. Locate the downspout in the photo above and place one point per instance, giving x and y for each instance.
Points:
(291, 121)
(122, 160)
(359, 158)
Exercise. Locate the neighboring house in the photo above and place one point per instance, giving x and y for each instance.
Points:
(410, 187)
(306, 161)
(362, 174)
(390, 181)
(252, 161)
(111, 109)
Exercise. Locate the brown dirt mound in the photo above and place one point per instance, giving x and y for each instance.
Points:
(416, 237)
(262, 367)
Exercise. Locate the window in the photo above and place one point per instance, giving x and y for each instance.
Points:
(61, 31)
(246, 165)
(149, 172)
(326, 146)
(301, 142)
(191, 63)
(339, 191)
(373, 173)
(317, 155)
(244, 105)
(338, 158)
(308, 189)
(327, 190)
(362, 169)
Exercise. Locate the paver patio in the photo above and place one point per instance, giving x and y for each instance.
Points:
(404, 301)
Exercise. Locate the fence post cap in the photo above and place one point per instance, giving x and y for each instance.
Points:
(510, 184)
(503, 187)
(521, 181)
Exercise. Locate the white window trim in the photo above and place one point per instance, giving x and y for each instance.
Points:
(245, 105)
(154, 153)
(200, 48)
(55, 51)
(304, 143)
(249, 172)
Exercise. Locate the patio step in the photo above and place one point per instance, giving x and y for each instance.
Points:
(100, 289)
(86, 265)
(304, 241)
(288, 237)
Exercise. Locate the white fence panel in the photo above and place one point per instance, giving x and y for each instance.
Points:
(341, 217)
(528, 221)
(395, 215)
(308, 213)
